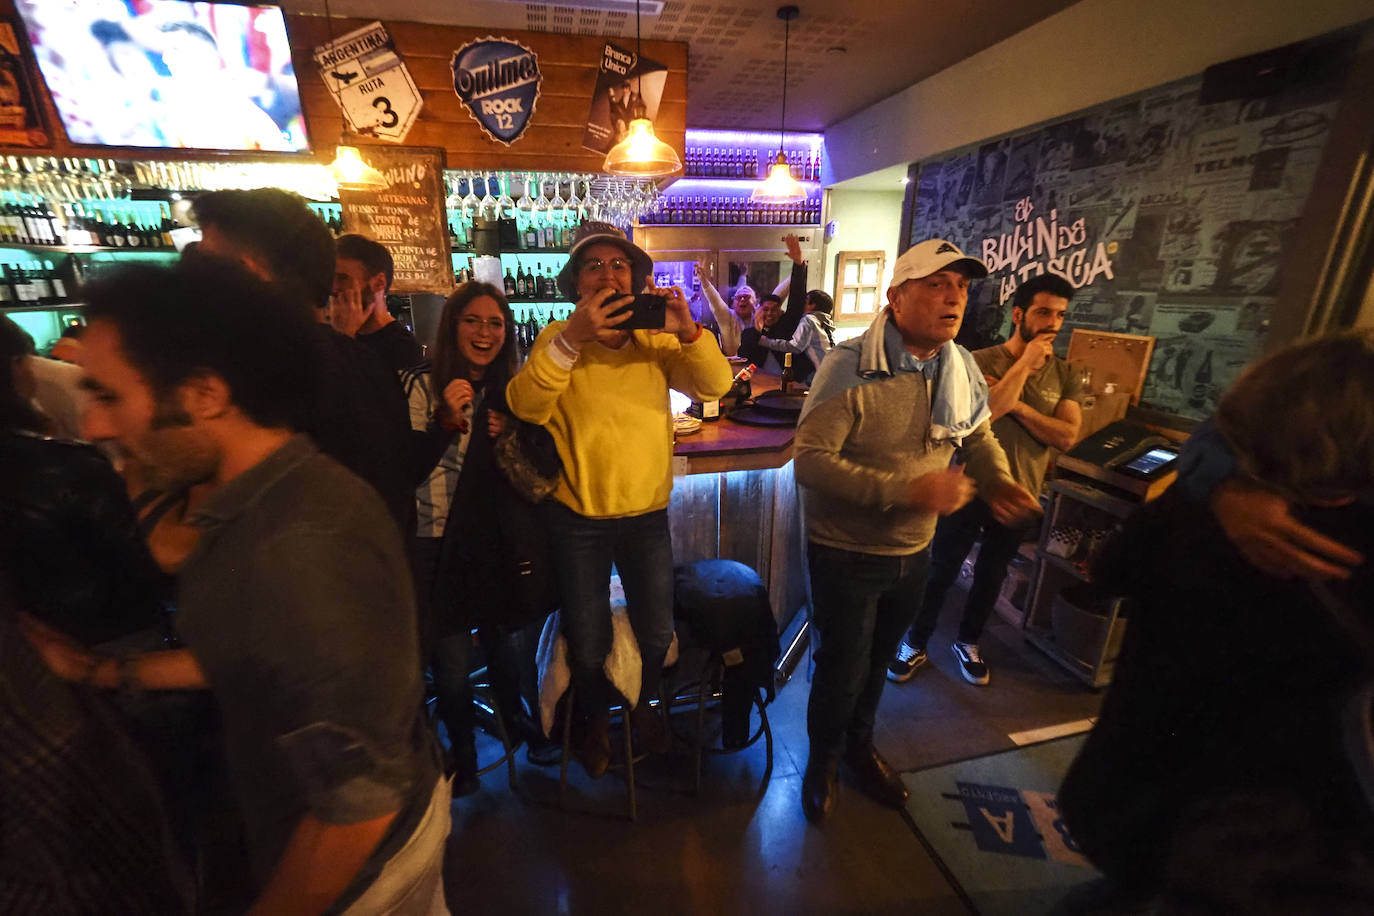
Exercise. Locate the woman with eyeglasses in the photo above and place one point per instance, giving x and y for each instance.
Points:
(474, 526)
(602, 391)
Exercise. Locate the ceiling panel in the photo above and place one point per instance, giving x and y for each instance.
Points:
(844, 54)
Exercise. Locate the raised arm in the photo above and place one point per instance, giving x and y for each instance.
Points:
(725, 318)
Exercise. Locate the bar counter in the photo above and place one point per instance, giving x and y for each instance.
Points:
(735, 498)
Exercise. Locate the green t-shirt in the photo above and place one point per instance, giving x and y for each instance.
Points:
(1028, 456)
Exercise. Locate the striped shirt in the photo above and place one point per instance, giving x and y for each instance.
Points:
(434, 495)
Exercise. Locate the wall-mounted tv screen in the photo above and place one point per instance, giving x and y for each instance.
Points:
(168, 73)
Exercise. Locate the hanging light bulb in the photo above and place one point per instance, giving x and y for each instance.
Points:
(348, 169)
(780, 187)
(352, 173)
(641, 153)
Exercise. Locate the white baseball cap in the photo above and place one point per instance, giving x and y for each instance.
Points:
(930, 256)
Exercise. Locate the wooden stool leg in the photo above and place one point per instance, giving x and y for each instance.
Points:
(567, 746)
(629, 763)
(704, 684)
(505, 742)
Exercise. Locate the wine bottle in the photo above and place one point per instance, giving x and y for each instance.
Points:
(787, 380)
(509, 282)
(59, 288)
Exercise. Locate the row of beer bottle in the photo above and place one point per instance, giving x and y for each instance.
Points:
(726, 162)
(724, 211)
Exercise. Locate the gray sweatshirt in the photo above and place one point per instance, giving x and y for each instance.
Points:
(865, 436)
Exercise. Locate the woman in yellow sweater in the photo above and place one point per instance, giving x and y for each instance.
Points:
(603, 394)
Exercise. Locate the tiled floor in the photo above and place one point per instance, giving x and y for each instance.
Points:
(732, 851)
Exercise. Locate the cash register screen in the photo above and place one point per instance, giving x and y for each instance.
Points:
(1151, 462)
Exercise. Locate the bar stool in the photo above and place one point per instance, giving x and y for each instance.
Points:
(709, 687)
(569, 704)
(727, 612)
(484, 700)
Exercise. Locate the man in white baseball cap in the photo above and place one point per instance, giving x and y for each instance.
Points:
(894, 434)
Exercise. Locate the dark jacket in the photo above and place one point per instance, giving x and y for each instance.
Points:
(69, 540)
(494, 567)
(1228, 681)
(359, 417)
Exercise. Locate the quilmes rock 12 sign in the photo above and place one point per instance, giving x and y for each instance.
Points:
(498, 80)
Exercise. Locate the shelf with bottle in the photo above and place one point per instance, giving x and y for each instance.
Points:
(32, 284)
(531, 318)
(30, 222)
(749, 164)
(731, 210)
(746, 155)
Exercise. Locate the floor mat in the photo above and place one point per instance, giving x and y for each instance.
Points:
(992, 822)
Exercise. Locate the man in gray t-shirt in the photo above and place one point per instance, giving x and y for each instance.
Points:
(295, 605)
(1034, 402)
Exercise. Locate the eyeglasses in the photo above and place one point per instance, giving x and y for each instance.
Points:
(594, 265)
(473, 323)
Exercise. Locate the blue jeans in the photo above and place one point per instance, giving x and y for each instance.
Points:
(584, 550)
(861, 604)
(954, 537)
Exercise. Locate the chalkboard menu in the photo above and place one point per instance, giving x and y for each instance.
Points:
(1169, 211)
(407, 216)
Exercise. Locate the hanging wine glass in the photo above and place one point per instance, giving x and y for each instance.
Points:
(542, 203)
(470, 200)
(504, 202)
(575, 205)
(488, 204)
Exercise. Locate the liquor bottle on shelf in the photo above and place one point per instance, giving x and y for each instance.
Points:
(787, 380)
(165, 229)
(59, 288)
(550, 284)
(509, 282)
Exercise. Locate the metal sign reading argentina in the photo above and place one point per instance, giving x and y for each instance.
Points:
(498, 80)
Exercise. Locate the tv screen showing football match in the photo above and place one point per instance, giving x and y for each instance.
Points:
(168, 73)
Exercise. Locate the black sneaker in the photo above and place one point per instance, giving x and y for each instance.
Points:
(971, 664)
(908, 659)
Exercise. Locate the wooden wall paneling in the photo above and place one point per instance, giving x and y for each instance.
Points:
(787, 580)
(694, 517)
(746, 518)
(553, 140)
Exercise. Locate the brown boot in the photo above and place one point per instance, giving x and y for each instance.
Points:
(596, 744)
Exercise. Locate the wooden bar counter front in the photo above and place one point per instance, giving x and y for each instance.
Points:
(734, 497)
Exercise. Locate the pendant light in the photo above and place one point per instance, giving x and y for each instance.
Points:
(350, 172)
(641, 154)
(780, 187)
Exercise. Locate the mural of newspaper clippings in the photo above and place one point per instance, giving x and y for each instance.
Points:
(1171, 217)
(370, 82)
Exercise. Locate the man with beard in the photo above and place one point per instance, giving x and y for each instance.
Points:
(1034, 402)
(295, 606)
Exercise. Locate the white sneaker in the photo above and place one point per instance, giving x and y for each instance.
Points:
(971, 664)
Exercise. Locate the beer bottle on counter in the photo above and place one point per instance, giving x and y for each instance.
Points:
(787, 379)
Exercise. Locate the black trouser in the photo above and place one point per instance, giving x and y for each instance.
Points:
(861, 602)
(954, 538)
